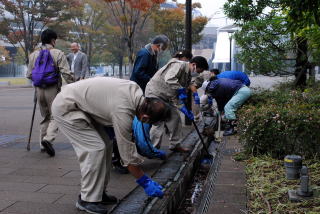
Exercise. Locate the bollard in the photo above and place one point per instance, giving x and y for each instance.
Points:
(293, 164)
(304, 190)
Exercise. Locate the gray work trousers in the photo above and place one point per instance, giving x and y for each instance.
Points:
(93, 149)
(48, 127)
(173, 126)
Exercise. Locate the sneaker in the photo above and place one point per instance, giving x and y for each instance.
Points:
(48, 147)
(91, 207)
(108, 199)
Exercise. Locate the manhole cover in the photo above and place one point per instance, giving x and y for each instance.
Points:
(5, 139)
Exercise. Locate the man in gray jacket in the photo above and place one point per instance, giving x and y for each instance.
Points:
(78, 62)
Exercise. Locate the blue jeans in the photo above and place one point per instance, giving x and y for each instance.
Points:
(235, 102)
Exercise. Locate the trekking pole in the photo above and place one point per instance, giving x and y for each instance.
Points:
(33, 113)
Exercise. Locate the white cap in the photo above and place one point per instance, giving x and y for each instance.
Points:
(204, 85)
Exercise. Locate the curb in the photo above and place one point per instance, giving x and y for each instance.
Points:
(174, 175)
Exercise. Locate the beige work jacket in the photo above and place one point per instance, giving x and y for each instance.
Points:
(168, 79)
(59, 59)
(109, 102)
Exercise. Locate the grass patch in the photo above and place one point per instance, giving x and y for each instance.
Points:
(16, 81)
(268, 188)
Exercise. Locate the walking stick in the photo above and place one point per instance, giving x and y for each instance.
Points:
(33, 112)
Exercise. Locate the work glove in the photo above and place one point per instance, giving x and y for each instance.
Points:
(210, 100)
(151, 188)
(187, 113)
(182, 95)
(196, 98)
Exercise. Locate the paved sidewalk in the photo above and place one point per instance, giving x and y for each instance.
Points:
(230, 192)
(32, 182)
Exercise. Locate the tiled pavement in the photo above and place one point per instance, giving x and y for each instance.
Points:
(230, 192)
(32, 182)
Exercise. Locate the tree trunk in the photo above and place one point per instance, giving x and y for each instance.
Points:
(301, 63)
(120, 66)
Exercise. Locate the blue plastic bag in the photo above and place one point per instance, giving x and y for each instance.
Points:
(142, 139)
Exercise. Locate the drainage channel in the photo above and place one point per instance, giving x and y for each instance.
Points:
(201, 188)
(175, 175)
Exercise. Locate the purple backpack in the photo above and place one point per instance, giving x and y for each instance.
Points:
(44, 72)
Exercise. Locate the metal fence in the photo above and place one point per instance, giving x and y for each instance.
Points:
(13, 70)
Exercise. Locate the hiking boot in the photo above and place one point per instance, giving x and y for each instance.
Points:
(91, 207)
(108, 199)
(229, 129)
(48, 147)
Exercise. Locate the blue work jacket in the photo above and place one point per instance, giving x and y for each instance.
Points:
(145, 66)
(222, 90)
(235, 75)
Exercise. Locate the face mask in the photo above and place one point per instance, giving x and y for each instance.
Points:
(160, 50)
(194, 73)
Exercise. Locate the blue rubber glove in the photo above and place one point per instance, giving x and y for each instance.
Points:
(182, 94)
(151, 188)
(210, 100)
(187, 112)
(196, 98)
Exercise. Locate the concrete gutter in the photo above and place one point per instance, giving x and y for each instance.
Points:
(174, 175)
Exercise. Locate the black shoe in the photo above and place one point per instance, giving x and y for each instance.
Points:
(120, 169)
(116, 163)
(91, 207)
(108, 199)
(229, 129)
(48, 147)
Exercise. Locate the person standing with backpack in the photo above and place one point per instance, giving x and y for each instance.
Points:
(45, 68)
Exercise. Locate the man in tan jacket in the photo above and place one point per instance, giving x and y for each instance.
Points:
(82, 110)
(46, 95)
(169, 84)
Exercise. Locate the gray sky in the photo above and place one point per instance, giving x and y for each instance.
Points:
(213, 10)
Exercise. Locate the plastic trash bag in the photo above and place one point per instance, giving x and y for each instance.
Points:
(142, 139)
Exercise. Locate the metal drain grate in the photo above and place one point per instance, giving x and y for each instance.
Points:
(210, 183)
(6, 139)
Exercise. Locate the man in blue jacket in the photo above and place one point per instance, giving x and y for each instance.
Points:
(146, 63)
(229, 95)
(235, 75)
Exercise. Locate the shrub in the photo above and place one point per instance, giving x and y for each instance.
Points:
(281, 122)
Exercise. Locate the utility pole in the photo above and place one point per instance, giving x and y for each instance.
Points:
(188, 46)
(230, 57)
(188, 25)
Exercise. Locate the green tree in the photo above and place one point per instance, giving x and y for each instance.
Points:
(171, 23)
(130, 16)
(275, 31)
(88, 28)
(22, 21)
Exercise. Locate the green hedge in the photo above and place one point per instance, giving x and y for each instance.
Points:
(281, 122)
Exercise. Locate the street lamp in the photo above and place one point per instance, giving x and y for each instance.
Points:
(230, 56)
